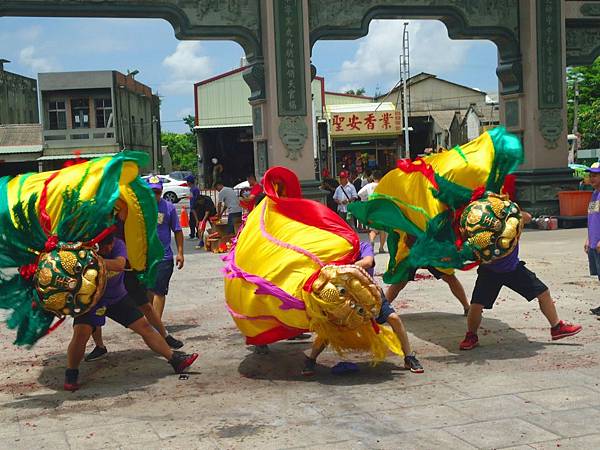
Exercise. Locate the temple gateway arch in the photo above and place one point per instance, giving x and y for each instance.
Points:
(536, 41)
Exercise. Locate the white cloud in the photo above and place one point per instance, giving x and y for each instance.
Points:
(377, 58)
(29, 58)
(186, 66)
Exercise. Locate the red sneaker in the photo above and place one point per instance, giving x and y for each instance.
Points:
(564, 329)
(470, 342)
(71, 387)
(180, 361)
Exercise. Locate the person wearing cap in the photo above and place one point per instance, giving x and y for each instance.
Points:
(167, 223)
(344, 194)
(195, 193)
(592, 243)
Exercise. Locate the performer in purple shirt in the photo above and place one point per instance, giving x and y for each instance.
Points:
(592, 244)
(195, 191)
(512, 273)
(167, 223)
(387, 314)
(118, 305)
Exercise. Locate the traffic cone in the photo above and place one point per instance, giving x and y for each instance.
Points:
(184, 220)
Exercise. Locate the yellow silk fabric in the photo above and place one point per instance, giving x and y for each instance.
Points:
(289, 270)
(91, 173)
(414, 188)
(283, 267)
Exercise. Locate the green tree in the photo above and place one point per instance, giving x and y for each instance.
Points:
(588, 80)
(190, 121)
(182, 148)
(359, 91)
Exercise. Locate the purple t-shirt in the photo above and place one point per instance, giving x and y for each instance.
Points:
(506, 264)
(115, 286)
(195, 194)
(594, 219)
(367, 250)
(167, 222)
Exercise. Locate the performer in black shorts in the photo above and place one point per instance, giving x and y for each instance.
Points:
(141, 298)
(511, 272)
(119, 306)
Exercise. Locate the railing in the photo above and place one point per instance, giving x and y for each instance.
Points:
(76, 135)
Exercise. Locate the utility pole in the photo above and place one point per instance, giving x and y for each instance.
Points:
(575, 144)
(405, 74)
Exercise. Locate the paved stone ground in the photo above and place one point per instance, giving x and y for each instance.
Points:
(517, 390)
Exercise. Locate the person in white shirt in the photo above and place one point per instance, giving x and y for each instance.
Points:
(230, 202)
(364, 195)
(344, 194)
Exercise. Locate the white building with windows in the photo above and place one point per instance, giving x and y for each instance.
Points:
(97, 113)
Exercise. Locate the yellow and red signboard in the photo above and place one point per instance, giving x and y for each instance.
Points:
(362, 123)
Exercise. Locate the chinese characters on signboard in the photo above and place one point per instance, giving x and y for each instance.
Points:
(289, 49)
(365, 123)
(549, 54)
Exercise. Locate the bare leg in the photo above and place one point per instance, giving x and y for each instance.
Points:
(474, 317)
(317, 348)
(310, 362)
(548, 308)
(151, 337)
(159, 304)
(372, 236)
(393, 290)
(76, 349)
(97, 336)
(457, 289)
(382, 238)
(398, 327)
(153, 318)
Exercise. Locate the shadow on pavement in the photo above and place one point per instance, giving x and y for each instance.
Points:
(286, 359)
(119, 373)
(497, 339)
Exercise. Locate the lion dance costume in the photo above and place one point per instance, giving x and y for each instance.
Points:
(50, 225)
(291, 270)
(445, 210)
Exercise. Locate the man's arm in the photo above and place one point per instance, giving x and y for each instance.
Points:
(366, 262)
(179, 242)
(116, 264)
(362, 194)
(339, 196)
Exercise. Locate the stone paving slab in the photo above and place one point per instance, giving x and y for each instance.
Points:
(517, 389)
(500, 433)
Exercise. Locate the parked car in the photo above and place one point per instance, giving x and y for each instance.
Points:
(180, 174)
(173, 189)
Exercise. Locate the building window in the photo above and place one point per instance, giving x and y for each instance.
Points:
(80, 110)
(133, 131)
(104, 118)
(57, 115)
(142, 131)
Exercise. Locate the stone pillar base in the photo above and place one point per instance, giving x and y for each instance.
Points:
(537, 189)
(310, 189)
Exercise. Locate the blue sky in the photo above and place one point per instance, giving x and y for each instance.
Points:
(171, 67)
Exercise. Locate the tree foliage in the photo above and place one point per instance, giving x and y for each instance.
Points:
(589, 102)
(182, 147)
(359, 91)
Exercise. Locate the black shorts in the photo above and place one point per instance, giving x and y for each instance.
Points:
(432, 270)
(136, 290)
(521, 280)
(124, 312)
